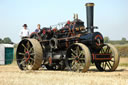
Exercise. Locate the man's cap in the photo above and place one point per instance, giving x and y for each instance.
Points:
(25, 25)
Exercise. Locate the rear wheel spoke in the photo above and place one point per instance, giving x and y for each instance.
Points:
(79, 60)
(73, 55)
(73, 62)
(24, 47)
(71, 58)
(73, 51)
(31, 49)
(32, 58)
(21, 53)
(22, 62)
(82, 64)
(77, 50)
(28, 45)
(32, 54)
(78, 67)
(73, 65)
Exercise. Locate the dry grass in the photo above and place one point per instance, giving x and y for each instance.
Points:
(123, 50)
(11, 75)
(124, 61)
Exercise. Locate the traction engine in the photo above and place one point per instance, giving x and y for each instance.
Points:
(73, 47)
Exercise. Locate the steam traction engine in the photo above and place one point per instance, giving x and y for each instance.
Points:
(73, 47)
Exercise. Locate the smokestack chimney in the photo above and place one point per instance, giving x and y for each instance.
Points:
(89, 13)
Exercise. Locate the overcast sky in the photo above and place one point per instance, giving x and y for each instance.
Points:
(111, 16)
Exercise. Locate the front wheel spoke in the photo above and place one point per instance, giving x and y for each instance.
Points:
(112, 61)
(108, 49)
(112, 56)
(104, 65)
(102, 50)
(108, 66)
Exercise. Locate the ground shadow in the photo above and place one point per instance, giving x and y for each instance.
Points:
(118, 70)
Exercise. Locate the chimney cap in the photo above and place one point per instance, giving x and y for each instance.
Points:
(89, 4)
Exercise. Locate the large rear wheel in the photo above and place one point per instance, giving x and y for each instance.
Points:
(78, 58)
(109, 65)
(29, 54)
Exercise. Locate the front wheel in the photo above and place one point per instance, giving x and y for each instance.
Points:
(112, 64)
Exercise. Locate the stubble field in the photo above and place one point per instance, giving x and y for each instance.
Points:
(11, 75)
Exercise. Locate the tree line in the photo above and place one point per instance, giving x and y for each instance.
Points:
(122, 41)
(6, 40)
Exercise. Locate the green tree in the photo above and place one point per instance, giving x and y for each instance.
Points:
(106, 39)
(123, 41)
(1, 41)
(7, 40)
